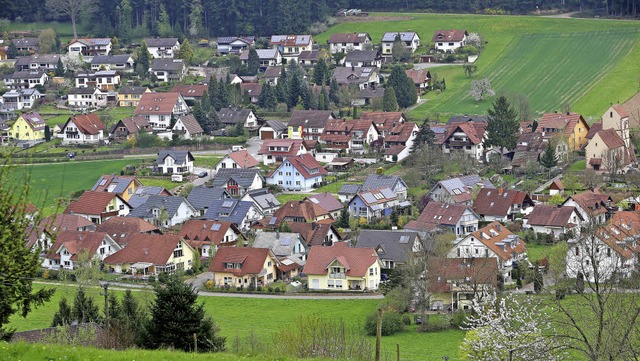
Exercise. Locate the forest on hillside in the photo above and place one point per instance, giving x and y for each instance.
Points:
(209, 18)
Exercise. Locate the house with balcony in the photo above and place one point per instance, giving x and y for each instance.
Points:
(87, 98)
(244, 267)
(130, 96)
(105, 80)
(88, 48)
(187, 127)
(594, 208)
(298, 173)
(266, 203)
(373, 204)
(174, 162)
(449, 40)
(238, 181)
(230, 117)
(201, 197)
(502, 204)
(240, 213)
(410, 39)
(283, 244)
(168, 70)
(493, 241)
(398, 142)
(393, 182)
(26, 79)
(570, 128)
(234, 44)
(277, 150)
(352, 136)
(363, 77)
(342, 268)
(98, 206)
(70, 246)
(550, 219)
(266, 57)
(164, 211)
(20, 99)
(348, 42)
(394, 247)
(458, 219)
(122, 63)
(298, 212)
(127, 128)
(43, 62)
(163, 48)
(207, 236)
(83, 129)
(152, 254)
(363, 58)
(190, 92)
(466, 137)
(27, 45)
(159, 108)
(290, 46)
(29, 127)
(308, 124)
(384, 121)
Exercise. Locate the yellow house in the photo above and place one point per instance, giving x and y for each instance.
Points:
(243, 267)
(130, 96)
(342, 268)
(151, 254)
(125, 187)
(98, 206)
(28, 127)
(571, 126)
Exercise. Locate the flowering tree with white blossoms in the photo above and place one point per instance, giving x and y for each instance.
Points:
(508, 329)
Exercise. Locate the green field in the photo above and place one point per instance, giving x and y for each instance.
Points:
(584, 64)
(238, 317)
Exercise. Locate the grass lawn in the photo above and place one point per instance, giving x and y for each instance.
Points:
(156, 182)
(206, 161)
(284, 197)
(583, 63)
(578, 166)
(51, 181)
(331, 187)
(63, 29)
(538, 251)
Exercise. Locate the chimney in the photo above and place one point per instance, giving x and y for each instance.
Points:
(313, 225)
(499, 227)
(277, 234)
(500, 190)
(568, 113)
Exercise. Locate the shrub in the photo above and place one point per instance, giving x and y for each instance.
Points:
(391, 323)
(53, 274)
(406, 319)
(45, 274)
(163, 277)
(209, 285)
(435, 323)
(270, 289)
(189, 272)
(458, 319)
(152, 279)
(277, 290)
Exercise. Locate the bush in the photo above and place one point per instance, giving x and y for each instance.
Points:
(53, 275)
(435, 323)
(163, 277)
(458, 319)
(270, 289)
(391, 323)
(406, 319)
(189, 272)
(152, 279)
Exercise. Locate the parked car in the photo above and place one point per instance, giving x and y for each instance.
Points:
(202, 174)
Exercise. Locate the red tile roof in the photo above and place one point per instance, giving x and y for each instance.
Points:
(400, 132)
(436, 213)
(592, 203)
(87, 123)
(243, 159)
(356, 260)
(141, 247)
(448, 35)
(445, 272)
(595, 128)
(313, 233)
(564, 122)
(307, 165)
(551, 216)
(474, 130)
(91, 202)
(299, 209)
(292, 146)
(622, 112)
(611, 138)
(76, 242)
(252, 260)
(195, 90)
(494, 234)
(384, 120)
(157, 103)
(205, 231)
(497, 202)
(120, 228)
(348, 38)
(418, 76)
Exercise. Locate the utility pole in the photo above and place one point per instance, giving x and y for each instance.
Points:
(106, 310)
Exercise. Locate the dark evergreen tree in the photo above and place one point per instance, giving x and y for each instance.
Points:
(393, 218)
(268, 98)
(343, 221)
(320, 72)
(115, 309)
(185, 53)
(253, 63)
(59, 68)
(143, 61)
(212, 89)
(47, 133)
(282, 92)
(406, 94)
(323, 99)
(221, 99)
(503, 128)
(425, 136)
(334, 92)
(84, 310)
(389, 102)
(12, 50)
(308, 101)
(538, 280)
(534, 125)
(295, 91)
(63, 316)
(549, 158)
(205, 102)
(176, 316)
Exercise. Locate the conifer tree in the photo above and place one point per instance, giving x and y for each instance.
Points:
(503, 128)
(84, 310)
(143, 62)
(334, 92)
(222, 96)
(185, 53)
(320, 72)
(406, 94)
(12, 50)
(253, 63)
(389, 102)
(212, 89)
(63, 316)
(59, 68)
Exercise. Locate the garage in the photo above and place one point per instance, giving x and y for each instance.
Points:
(266, 134)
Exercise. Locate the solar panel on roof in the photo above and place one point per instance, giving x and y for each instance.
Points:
(285, 241)
(215, 227)
(287, 262)
(103, 182)
(404, 239)
(368, 197)
(227, 204)
(314, 200)
(273, 221)
(388, 193)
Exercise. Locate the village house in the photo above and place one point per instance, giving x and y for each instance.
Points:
(421, 79)
(569, 127)
(238, 212)
(363, 58)
(277, 150)
(455, 282)
(233, 116)
(127, 128)
(208, 236)
(130, 96)
(266, 203)
(187, 127)
(191, 93)
(19, 99)
(44, 62)
(152, 254)
(163, 48)
(251, 92)
(363, 78)
(339, 267)
(105, 80)
(123, 186)
(283, 244)
(83, 129)
(88, 48)
(244, 267)
(238, 181)
(394, 247)
(368, 96)
(352, 136)
(234, 44)
(86, 98)
(42, 236)
(202, 197)
(458, 219)
(164, 211)
(558, 221)
(327, 202)
(449, 40)
(316, 234)
(267, 57)
(308, 124)
(501, 204)
(239, 159)
(271, 75)
(610, 141)
(384, 121)
(28, 45)
(411, 41)
(122, 63)
(291, 45)
(298, 173)
(120, 228)
(393, 182)
(348, 42)
(373, 204)
(97, 207)
(159, 108)
(310, 57)
(457, 190)
(299, 211)
(594, 208)
(168, 70)
(71, 247)
(26, 79)
(398, 141)
(174, 162)
(273, 129)
(466, 137)
(29, 128)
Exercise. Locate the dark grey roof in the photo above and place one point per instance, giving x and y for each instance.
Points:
(26, 42)
(228, 210)
(82, 91)
(264, 199)
(243, 176)
(350, 189)
(180, 156)
(133, 90)
(202, 197)
(361, 56)
(468, 118)
(27, 74)
(376, 181)
(164, 42)
(149, 190)
(138, 199)
(233, 116)
(22, 61)
(170, 65)
(281, 243)
(276, 125)
(370, 92)
(45, 58)
(310, 118)
(392, 245)
(111, 59)
(170, 204)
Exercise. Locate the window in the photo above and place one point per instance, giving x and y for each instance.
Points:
(370, 271)
(102, 251)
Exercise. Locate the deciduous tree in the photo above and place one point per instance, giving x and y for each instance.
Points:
(481, 89)
(73, 9)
